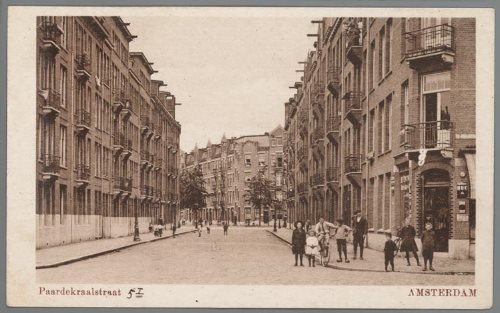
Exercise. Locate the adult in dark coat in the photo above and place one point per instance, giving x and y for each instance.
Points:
(298, 242)
(408, 244)
(359, 232)
(428, 244)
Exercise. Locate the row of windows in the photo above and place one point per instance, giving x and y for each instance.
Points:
(82, 153)
(82, 207)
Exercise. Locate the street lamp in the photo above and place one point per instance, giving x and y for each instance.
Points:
(275, 202)
(279, 222)
(136, 222)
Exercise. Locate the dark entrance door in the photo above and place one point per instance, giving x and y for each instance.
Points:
(436, 208)
(436, 211)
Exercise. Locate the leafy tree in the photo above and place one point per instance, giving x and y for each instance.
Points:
(192, 188)
(260, 193)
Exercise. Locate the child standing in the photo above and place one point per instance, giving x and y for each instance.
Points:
(390, 249)
(312, 247)
(341, 234)
(298, 242)
(428, 246)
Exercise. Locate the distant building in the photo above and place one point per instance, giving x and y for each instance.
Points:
(384, 121)
(228, 168)
(107, 139)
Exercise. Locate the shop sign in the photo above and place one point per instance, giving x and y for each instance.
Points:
(462, 217)
(462, 191)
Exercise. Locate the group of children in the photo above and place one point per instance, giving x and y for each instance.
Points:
(391, 249)
(312, 247)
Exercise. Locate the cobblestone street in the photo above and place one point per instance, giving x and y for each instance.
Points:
(246, 256)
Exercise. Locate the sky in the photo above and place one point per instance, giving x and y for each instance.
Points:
(231, 74)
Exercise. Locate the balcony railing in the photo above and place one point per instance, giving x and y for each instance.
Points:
(127, 143)
(333, 75)
(121, 183)
(353, 38)
(302, 187)
(83, 118)
(159, 162)
(118, 138)
(352, 164)
(318, 179)
(352, 100)
(51, 163)
(333, 124)
(50, 31)
(145, 156)
(318, 88)
(430, 40)
(146, 191)
(51, 105)
(120, 97)
(353, 43)
(429, 135)
(333, 79)
(172, 171)
(318, 133)
(145, 121)
(319, 103)
(83, 63)
(332, 174)
(83, 172)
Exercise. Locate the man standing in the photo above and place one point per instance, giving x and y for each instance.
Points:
(225, 226)
(360, 229)
(322, 230)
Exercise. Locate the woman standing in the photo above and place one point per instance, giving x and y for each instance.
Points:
(298, 242)
(408, 244)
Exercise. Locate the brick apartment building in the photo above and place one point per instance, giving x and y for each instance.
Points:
(227, 170)
(383, 120)
(107, 138)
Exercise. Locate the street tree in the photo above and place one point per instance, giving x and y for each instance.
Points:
(192, 188)
(260, 193)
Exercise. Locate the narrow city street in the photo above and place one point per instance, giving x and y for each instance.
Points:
(246, 256)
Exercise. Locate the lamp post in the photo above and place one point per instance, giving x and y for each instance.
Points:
(279, 222)
(275, 217)
(136, 222)
(275, 202)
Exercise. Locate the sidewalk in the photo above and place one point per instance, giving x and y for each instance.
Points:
(66, 254)
(374, 260)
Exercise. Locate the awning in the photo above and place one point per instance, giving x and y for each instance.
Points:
(470, 159)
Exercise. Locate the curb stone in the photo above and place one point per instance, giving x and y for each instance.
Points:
(96, 254)
(380, 271)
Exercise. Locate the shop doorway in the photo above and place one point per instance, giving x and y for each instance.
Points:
(436, 208)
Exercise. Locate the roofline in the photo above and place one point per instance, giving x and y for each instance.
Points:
(144, 61)
(124, 28)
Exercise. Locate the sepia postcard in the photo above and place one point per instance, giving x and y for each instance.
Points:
(230, 157)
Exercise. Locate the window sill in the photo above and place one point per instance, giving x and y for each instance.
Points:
(384, 153)
(388, 74)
